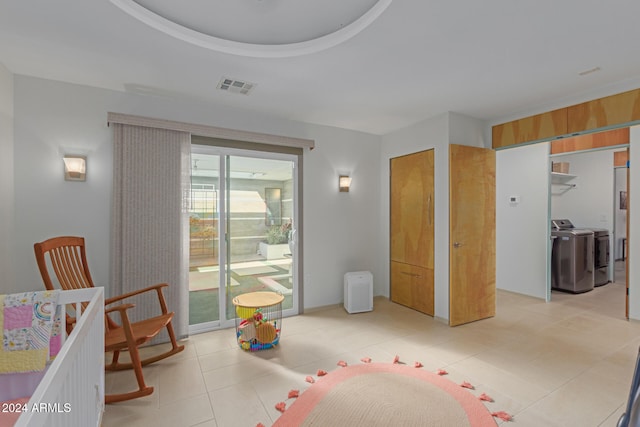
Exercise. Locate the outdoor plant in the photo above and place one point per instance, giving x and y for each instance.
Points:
(277, 234)
(199, 230)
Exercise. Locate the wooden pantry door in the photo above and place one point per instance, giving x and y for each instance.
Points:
(412, 230)
(472, 231)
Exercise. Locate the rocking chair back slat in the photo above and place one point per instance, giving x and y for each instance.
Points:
(68, 260)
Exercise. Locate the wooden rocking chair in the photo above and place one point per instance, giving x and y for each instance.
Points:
(67, 258)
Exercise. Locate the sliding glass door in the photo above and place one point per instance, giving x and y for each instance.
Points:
(204, 242)
(243, 216)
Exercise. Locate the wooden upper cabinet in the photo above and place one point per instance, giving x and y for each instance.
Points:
(620, 158)
(591, 140)
(533, 128)
(412, 203)
(608, 111)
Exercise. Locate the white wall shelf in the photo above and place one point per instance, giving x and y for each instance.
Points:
(562, 178)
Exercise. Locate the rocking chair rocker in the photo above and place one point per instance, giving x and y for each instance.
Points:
(67, 258)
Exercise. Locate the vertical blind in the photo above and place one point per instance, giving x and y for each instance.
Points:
(149, 238)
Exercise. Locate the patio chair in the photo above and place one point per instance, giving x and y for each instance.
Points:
(66, 257)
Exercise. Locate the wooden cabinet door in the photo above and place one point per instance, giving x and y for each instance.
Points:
(534, 128)
(472, 234)
(412, 228)
(412, 209)
(412, 286)
(608, 111)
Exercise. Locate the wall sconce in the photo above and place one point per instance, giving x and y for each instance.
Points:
(344, 182)
(75, 168)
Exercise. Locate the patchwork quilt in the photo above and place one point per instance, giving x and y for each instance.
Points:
(31, 325)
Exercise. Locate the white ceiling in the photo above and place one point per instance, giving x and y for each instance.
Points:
(368, 65)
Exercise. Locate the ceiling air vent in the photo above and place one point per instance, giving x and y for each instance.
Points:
(235, 86)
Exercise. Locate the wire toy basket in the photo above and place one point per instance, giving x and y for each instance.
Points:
(258, 320)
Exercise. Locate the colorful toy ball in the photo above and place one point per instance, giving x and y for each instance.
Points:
(245, 345)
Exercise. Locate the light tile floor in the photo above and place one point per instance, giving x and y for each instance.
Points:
(564, 363)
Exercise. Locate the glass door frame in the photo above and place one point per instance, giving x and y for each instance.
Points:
(224, 154)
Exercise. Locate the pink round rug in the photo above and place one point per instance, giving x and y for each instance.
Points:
(382, 394)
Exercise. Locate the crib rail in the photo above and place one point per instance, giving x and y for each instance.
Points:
(72, 391)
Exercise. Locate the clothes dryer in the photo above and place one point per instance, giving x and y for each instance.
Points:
(600, 256)
(572, 257)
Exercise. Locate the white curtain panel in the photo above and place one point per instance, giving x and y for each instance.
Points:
(150, 227)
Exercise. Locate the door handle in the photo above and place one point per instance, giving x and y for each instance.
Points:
(457, 244)
(429, 208)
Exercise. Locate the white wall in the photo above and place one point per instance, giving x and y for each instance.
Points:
(522, 229)
(7, 282)
(53, 118)
(465, 130)
(437, 133)
(590, 203)
(341, 229)
(620, 223)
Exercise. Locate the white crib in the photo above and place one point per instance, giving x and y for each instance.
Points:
(71, 393)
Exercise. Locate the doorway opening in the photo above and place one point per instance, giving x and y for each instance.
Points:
(588, 178)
